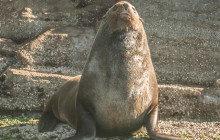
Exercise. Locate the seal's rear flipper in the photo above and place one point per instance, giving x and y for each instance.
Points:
(151, 124)
(47, 122)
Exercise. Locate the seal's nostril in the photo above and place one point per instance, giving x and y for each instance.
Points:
(125, 6)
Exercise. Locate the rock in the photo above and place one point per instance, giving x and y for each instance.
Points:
(40, 41)
(209, 103)
(61, 50)
(217, 83)
(26, 90)
(5, 63)
(187, 103)
(8, 47)
(22, 20)
(183, 35)
(178, 102)
(183, 39)
(28, 132)
(190, 130)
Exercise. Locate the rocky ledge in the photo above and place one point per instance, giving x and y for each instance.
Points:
(186, 129)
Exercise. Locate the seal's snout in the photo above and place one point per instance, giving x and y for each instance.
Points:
(124, 10)
(125, 6)
(122, 16)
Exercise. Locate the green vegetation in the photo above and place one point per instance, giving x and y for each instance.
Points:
(141, 135)
(6, 121)
(184, 135)
(203, 136)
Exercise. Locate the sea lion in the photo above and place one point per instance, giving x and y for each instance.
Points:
(118, 91)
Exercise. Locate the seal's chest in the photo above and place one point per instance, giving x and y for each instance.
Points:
(119, 113)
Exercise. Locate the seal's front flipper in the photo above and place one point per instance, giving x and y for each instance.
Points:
(86, 127)
(151, 124)
(47, 122)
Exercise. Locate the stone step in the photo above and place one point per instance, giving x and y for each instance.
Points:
(183, 102)
(187, 129)
(28, 90)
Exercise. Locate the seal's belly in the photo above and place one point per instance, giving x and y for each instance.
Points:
(116, 113)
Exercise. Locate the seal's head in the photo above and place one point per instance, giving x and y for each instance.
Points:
(122, 16)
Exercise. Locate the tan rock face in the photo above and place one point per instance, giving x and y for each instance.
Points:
(8, 47)
(63, 49)
(217, 83)
(21, 20)
(209, 103)
(40, 66)
(24, 20)
(25, 90)
(188, 103)
(41, 41)
(183, 39)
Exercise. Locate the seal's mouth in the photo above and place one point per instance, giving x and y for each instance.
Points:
(125, 16)
(122, 16)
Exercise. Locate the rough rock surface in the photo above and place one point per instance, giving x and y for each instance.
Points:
(24, 20)
(217, 83)
(45, 43)
(184, 39)
(8, 47)
(188, 103)
(188, 130)
(61, 50)
(5, 63)
(26, 90)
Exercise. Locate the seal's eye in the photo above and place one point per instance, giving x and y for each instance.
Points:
(133, 8)
(115, 8)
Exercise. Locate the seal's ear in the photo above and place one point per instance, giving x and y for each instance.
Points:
(141, 20)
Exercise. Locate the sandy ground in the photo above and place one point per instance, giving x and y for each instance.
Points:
(186, 129)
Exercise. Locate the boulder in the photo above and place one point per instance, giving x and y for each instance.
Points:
(209, 104)
(5, 63)
(62, 50)
(183, 38)
(7, 53)
(217, 83)
(26, 90)
(45, 43)
(189, 103)
(187, 130)
(8, 47)
(23, 20)
(183, 35)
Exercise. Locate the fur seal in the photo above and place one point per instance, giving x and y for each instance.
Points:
(117, 93)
